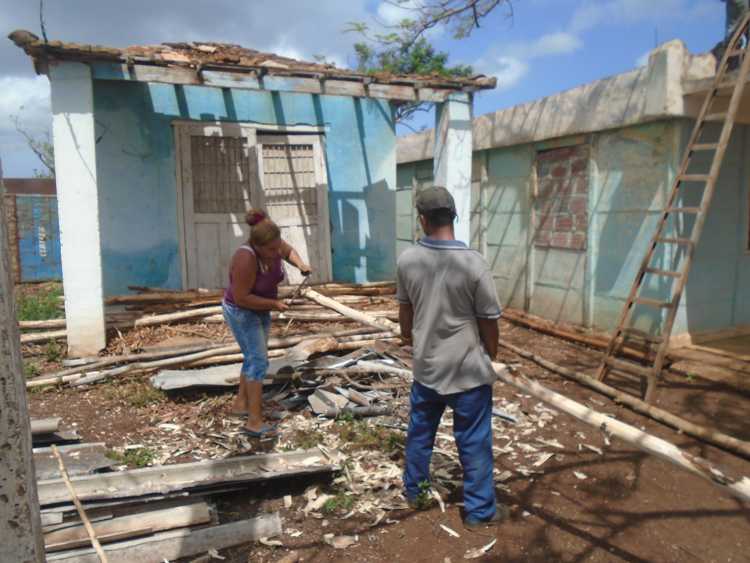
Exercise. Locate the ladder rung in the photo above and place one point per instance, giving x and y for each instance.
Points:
(627, 367)
(667, 273)
(736, 52)
(683, 210)
(686, 241)
(715, 116)
(652, 302)
(705, 146)
(694, 177)
(642, 335)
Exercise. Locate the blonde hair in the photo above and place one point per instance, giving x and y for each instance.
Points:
(262, 229)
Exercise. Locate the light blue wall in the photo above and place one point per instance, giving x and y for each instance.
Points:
(630, 175)
(632, 172)
(137, 184)
(718, 290)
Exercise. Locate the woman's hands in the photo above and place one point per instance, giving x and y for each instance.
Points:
(305, 269)
(280, 306)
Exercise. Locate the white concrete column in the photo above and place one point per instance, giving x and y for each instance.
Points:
(452, 157)
(78, 205)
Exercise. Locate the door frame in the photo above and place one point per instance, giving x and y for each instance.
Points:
(183, 129)
(321, 186)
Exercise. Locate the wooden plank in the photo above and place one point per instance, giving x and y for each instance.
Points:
(133, 524)
(173, 545)
(392, 92)
(359, 316)
(344, 88)
(164, 479)
(292, 84)
(736, 485)
(105, 538)
(79, 507)
(219, 79)
(435, 95)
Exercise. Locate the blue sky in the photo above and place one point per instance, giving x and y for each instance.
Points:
(548, 46)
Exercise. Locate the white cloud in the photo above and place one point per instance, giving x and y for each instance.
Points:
(510, 67)
(391, 14)
(593, 13)
(560, 43)
(27, 98)
(508, 70)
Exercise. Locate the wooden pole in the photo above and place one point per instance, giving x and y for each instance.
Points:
(737, 486)
(20, 523)
(81, 512)
(354, 314)
(701, 432)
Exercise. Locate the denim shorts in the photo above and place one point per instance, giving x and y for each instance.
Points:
(250, 329)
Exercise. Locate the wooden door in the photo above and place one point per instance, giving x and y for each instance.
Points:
(218, 168)
(294, 191)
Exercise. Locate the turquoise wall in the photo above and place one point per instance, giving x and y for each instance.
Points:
(137, 183)
(630, 175)
(718, 290)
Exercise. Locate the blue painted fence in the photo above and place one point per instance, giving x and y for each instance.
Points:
(38, 238)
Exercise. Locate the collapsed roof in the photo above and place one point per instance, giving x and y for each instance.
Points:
(229, 57)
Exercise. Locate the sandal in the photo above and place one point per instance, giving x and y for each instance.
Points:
(265, 430)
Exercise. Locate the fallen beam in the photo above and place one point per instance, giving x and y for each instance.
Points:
(186, 476)
(173, 545)
(737, 486)
(131, 525)
(354, 314)
(701, 432)
(45, 425)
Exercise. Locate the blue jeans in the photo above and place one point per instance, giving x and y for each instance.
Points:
(472, 429)
(250, 330)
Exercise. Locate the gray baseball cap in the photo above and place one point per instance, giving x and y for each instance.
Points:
(432, 199)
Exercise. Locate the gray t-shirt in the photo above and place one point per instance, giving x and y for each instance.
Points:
(449, 286)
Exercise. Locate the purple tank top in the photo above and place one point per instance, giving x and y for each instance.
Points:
(266, 281)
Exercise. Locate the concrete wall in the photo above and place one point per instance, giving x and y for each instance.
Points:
(630, 174)
(137, 184)
(718, 290)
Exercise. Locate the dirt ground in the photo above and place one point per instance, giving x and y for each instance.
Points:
(579, 505)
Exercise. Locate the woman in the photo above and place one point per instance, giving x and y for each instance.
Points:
(254, 277)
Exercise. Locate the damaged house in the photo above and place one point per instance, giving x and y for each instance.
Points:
(567, 192)
(160, 150)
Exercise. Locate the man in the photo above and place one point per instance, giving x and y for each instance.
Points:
(448, 312)
(736, 10)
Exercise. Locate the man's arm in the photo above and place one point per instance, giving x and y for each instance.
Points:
(406, 322)
(489, 332)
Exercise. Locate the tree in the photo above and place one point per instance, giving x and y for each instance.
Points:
(462, 16)
(41, 146)
(402, 48)
(418, 57)
(20, 523)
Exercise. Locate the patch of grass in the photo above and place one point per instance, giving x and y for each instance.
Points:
(306, 439)
(137, 394)
(40, 305)
(31, 369)
(341, 503)
(136, 457)
(54, 352)
(362, 436)
(424, 499)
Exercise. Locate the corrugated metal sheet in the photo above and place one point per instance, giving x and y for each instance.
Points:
(38, 236)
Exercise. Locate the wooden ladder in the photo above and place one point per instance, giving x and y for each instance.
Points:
(653, 348)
